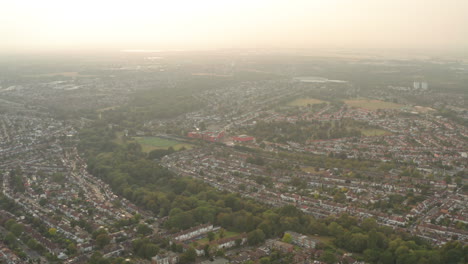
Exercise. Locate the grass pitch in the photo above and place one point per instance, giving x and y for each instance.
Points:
(372, 104)
(151, 143)
(305, 102)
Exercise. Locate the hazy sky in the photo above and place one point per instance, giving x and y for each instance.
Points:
(204, 24)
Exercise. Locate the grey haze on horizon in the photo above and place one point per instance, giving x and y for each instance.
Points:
(212, 24)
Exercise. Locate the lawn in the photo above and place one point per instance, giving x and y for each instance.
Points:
(324, 239)
(309, 169)
(156, 142)
(371, 132)
(119, 138)
(305, 102)
(151, 143)
(372, 104)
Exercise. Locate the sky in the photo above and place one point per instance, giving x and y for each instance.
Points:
(42, 25)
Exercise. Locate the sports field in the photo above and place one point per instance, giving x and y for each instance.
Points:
(370, 132)
(305, 102)
(372, 104)
(151, 143)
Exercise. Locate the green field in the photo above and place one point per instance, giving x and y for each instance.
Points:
(371, 132)
(372, 104)
(151, 143)
(309, 169)
(305, 102)
(324, 239)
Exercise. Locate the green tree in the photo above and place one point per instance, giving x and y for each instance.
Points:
(369, 223)
(255, 237)
(143, 229)
(71, 249)
(335, 229)
(358, 242)
(221, 233)
(17, 229)
(52, 231)
(9, 223)
(188, 256)
(211, 236)
(328, 257)
(150, 250)
(102, 240)
(206, 250)
(287, 238)
(10, 239)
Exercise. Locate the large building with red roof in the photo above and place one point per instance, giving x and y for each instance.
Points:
(212, 136)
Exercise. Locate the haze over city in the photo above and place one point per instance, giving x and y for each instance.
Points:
(50, 25)
(234, 132)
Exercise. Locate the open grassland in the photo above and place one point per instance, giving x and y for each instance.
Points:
(151, 143)
(422, 109)
(372, 104)
(371, 132)
(305, 102)
(119, 138)
(308, 169)
(324, 239)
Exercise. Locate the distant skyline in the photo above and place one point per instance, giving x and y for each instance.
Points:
(49, 25)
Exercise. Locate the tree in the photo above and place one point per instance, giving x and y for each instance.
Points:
(102, 240)
(369, 223)
(372, 255)
(43, 201)
(150, 250)
(459, 181)
(358, 242)
(10, 239)
(97, 258)
(202, 126)
(339, 197)
(255, 237)
(9, 223)
(211, 236)
(143, 229)
(221, 233)
(17, 229)
(58, 177)
(32, 243)
(188, 256)
(52, 231)
(206, 250)
(71, 249)
(328, 257)
(448, 179)
(335, 229)
(287, 238)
